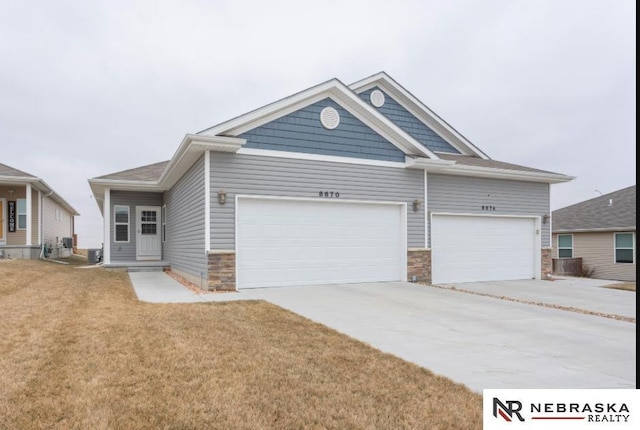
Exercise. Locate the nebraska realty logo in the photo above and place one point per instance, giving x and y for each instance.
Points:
(567, 409)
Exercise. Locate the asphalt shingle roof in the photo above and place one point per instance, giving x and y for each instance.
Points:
(467, 160)
(10, 171)
(150, 172)
(616, 210)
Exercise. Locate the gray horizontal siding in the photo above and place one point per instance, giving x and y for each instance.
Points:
(463, 194)
(597, 251)
(409, 123)
(127, 251)
(254, 175)
(301, 131)
(184, 246)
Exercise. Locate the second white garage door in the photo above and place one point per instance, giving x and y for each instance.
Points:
(296, 242)
(482, 248)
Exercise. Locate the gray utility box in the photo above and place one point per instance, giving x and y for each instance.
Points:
(94, 256)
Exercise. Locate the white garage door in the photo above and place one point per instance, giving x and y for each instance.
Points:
(293, 242)
(477, 248)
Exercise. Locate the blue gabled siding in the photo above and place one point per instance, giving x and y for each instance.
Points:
(409, 123)
(301, 131)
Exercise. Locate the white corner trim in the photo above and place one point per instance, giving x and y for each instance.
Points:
(316, 157)
(426, 212)
(106, 213)
(207, 201)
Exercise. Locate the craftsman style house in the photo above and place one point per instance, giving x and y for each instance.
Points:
(333, 184)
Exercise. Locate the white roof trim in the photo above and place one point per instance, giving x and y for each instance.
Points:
(420, 111)
(339, 93)
(191, 148)
(517, 175)
(39, 185)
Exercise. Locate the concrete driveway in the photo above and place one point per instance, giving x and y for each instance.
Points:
(483, 342)
(483, 335)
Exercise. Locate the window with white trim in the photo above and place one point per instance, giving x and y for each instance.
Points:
(565, 246)
(58, 215)
(624, 244)
(121, 223)
(164, 223)
(22, 214)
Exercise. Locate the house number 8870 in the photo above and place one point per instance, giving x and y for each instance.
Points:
(329, 194)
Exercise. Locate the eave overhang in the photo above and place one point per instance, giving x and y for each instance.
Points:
(41, 186)
(452, 168)
(192, 147)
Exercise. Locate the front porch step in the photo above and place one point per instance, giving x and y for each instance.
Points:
(139, 266)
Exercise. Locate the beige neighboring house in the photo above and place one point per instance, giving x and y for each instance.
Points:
(35, 221)
(601, 231)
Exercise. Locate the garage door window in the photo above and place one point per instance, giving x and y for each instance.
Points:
(624, 247)
(565, 246)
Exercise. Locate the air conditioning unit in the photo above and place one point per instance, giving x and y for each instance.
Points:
(67, 242)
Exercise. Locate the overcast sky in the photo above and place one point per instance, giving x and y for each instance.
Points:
(93, 87)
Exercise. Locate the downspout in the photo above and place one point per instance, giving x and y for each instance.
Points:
(42, 224)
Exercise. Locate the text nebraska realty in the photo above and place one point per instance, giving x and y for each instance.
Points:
(592, 412)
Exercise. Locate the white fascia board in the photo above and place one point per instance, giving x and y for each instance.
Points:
(39, 185)
(517, 175)
(381, 124)
(192, 147)
(98, 187)
(269, 112)
(428, 165)
(420, 111)
(339, 93)
(57, 197)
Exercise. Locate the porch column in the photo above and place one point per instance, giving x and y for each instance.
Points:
(28, 232)
(106, 215)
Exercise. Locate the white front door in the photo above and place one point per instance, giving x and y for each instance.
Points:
(148, 243)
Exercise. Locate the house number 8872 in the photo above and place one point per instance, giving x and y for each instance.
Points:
(329, 194)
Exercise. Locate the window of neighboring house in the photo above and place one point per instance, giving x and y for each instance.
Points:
(22, 214)
(58, 215)
(121, 220)
(624, 247)
(164, 223)
(565, 246)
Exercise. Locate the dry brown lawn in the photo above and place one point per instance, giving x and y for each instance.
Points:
(627, 286)
(78, 351)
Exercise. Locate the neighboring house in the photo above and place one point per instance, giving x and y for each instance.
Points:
(32, 214)
(601, 231)
(333, 184)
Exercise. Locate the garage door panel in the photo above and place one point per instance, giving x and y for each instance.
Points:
(477, 248)
(289, 242)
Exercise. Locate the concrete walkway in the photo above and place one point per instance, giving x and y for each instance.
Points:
(471, 338)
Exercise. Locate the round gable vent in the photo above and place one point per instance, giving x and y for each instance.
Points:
(330, 118)
(377, 98)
